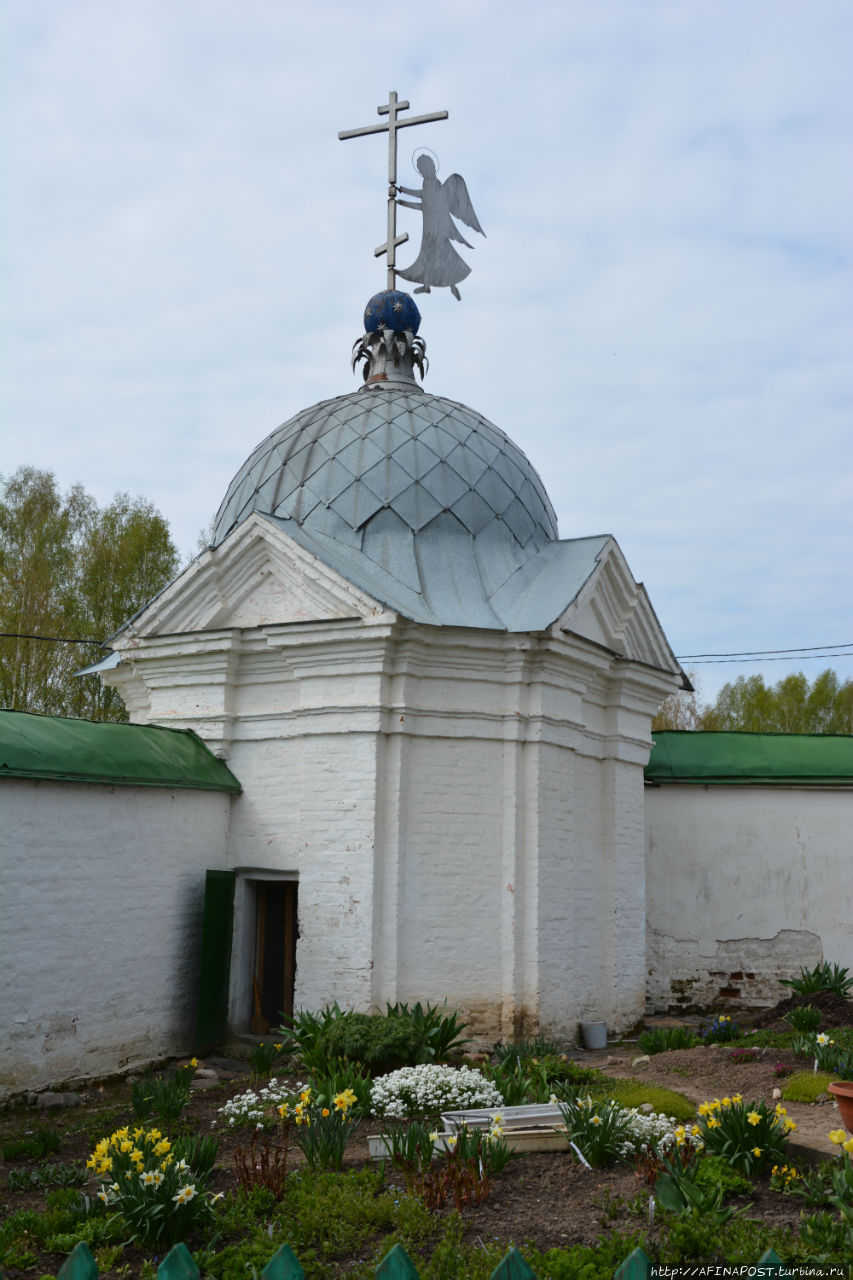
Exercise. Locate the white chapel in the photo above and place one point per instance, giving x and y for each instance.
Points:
(438, 710)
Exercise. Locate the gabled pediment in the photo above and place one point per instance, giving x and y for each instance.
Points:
(613, 610)
(257, 577)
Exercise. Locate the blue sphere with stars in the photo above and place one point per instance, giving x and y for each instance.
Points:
(391, 309)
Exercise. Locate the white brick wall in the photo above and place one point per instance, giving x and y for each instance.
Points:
(744, 885)
(100, 921)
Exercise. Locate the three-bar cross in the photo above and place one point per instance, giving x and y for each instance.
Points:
(394, 123)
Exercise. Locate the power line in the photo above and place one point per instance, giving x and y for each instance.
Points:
(808, 657)
(751, 653)
(22, 635)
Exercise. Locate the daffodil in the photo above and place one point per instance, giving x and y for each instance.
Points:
(822, 1038)
(753, 1117)
(756, 1151)
(185, 1194)
(596, 1120)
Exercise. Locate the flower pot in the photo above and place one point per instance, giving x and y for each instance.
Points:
(594, 1035)
(842, 1090)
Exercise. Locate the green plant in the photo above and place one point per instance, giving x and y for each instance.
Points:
(32, 1146)
(538, 1047)
(824, 977)
(813, 1184)
(198, 1150)
(463, 1169)
(379, 1043)
(262, 1057)
(749, 1136)
(440, 1029)
(512, 1082)
(805, 1017)
(322, 1132)
(663, 1039)
(48, 1175)
(599, 1130)
(165, 1096)
(805, 1086)
(678, 1191)
(303, 1035)
(159, 1199)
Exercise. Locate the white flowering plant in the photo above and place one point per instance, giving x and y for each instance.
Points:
(161, 1200)
(428, 1090)
(604, 1132)
(257, 1109)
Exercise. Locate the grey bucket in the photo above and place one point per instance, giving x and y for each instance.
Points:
(594, 1035)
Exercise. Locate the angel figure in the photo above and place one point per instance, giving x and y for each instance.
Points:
(438, 263)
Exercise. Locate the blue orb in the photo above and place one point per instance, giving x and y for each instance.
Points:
(391, 309)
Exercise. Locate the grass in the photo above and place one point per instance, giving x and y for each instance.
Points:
(633, 1093)
(805, 1086)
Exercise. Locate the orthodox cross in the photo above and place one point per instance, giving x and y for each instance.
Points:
(390, 110)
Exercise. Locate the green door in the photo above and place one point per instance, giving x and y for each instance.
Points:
(216, 935)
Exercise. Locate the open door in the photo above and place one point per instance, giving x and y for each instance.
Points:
(214, 978)
(275, 954)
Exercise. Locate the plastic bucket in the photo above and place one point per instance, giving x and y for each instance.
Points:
(594, 1035)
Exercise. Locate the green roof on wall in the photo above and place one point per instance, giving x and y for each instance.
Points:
(56, 749)
(751, 759)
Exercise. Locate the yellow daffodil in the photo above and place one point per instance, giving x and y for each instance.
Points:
(704, 1108)
(284, 1111)
(756, 1151)
(695, 1130)
(737, 1098)
(278, 1048)
(162, 1147)
(305, 1095)
(713, 1122)
(780, 1110)
(790, 1126)
(727, 1102)
(753, 1117)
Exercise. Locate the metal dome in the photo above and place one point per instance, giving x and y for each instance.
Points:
(345, 463)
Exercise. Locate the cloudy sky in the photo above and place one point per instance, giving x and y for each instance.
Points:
(661, 315)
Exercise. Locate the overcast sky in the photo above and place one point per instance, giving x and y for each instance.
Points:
(661, 315)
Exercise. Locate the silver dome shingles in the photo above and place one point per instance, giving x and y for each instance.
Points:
(417, 499)
(392, 443)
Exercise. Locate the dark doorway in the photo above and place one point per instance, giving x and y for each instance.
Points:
(275, 954)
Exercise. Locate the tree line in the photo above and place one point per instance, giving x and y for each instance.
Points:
(748, 705)
(71, 571)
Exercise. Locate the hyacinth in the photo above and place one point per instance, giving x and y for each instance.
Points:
(429, 1090)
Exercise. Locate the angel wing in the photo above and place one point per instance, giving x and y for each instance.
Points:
(459, 202)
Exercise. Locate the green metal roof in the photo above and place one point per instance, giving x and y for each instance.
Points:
(127, 755)
(751, 759)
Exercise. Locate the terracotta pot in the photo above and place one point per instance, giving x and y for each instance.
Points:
(843, 1093)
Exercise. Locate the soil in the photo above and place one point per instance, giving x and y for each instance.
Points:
(548, 1200)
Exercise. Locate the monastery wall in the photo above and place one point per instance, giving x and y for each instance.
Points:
(744, 886)
(100, 922)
